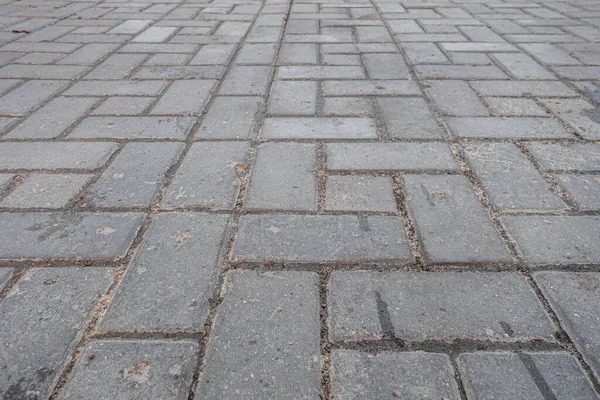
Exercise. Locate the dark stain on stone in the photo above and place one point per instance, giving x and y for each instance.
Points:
(384, 316)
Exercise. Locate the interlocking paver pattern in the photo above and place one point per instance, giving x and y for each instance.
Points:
(334, 199)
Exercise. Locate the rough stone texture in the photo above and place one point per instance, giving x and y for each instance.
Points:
(230, 118)
(409, 375)
(319, 128)
(171, 280)
(320, 238)
(566, 157)
(584, 189)
(58, 155)
(128, 369)
(417, 306)
(44, 316)
(360, 193)
(133, 128)
(265, 339)
(451, 221)
(538, 376)
(409, 119)
(574, 298)
(518, 128)
(46, 191)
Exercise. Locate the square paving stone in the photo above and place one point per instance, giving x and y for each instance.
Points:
(584, 189)
(170, 282)
(265, 340)
(406, 375)
(175, 128)
(133, 369)
(68, 235)
(46, 190)
(321, 238)
(451, 221)
(575, 297)
(43, 318)
(555, 239)
(420, 306)
(360, 193)
(534, 376)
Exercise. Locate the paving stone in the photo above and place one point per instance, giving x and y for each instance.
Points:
(444, 306)
(390, 156)
(320, 72)
(574, 298)
(214, 54)
(506, 127)
(516, 88)
(168, 59)
(117, 66)
(170, 283)
(283, 177)
(582, 116)
(409, 375)
(366, 88)
(46, 190)
(549, 54)
(297, 53)
(175, 128)
(451, 222)
(124, 106)
(320, 238)
(265, 339)
(43, 318)
(135, 175)
(455, 98)
(537, 376)
(68, 235)
(42, 71)
(521, 66)
(566, 157)
(347, 106)
(28, 96)
(209, 176)
(459, 72)
(584, 189)
(155, 34)
(470, 58)
(53, 119)
(319, 128)
(484, 47)
(515, 107)
(180, 72)
(386, 66)
(230, 118)
(341, 59)
(359, 193)
(185, 97)
(244, 80)
(54, 155)
(509, 179)
(409, 118)
(116, 88)
(130, 27)
(555, 239)
(128, 369)
(256, 53)
(293, 98)
(424, 53)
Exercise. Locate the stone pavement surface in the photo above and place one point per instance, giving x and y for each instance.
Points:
(300, 199)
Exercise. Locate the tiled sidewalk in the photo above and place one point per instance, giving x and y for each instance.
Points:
(300, 199)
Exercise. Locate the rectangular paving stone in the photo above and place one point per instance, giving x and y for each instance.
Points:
(506, 127)
(54, 155)
(375, 88)
(117, 66)
(155, 34)
(46, 190)
(265, 339)
(209, 176)
(580, 115)
(28, 96)
(555, 239)
(89, 54)
(451, 222)
(131, 368)
(43, 71)
(409, 118)
(43, 318)
(538, 376)
(169, 285)
(521, 66)
(230, 118)
(485, 47)
(584, 189)
(135, 175)
(320, 238)
(116, 88)
(257, 53)
(359, 193)
(214, 54)
(319, 72)
(68, 235)
(455, 98)
(566, 157)
(459, 72)
(180, 72)
(293, 98)
(347, 106)
(515, 107)
(444, 306)
(390, 156)
(176, 128)
(124, 106)
(509, 179)
(574, 298)
(185, 97)
(515, 88)
(53, 119)
(549, 54)
(283, 177)
(424, 53)
(245, 80)
(386, 66)
(319, 128)
(298, 53)
(409, 375)
(130, 27)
